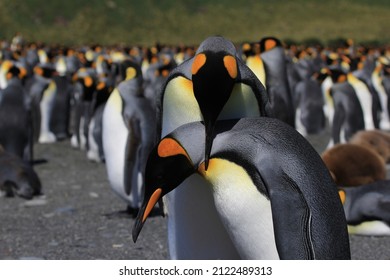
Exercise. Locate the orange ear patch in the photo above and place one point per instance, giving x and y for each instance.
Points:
(100, 86)
(88, 81)
(342, 196)
(341, 78)
(269, 44)
(165, 73)
(38, 71)
(230, 65)
(23, 72)
(199, 61)
(170, 147)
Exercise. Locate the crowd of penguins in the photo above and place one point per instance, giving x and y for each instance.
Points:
(156, 115)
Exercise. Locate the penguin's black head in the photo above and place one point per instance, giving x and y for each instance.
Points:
(167, 167)
(214, 73)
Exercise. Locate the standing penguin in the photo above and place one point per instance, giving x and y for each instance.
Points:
(60, 114)
(41, 90)
(95, 126)
(353, 107)
(271, 190)
(214, 84)
(128, 136)
(16, 131)
(310, 115)
(270, 65)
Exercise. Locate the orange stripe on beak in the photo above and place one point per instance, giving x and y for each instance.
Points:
(199, 61)
(152, 201)
(342, 196)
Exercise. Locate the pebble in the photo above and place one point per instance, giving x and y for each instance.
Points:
(38, 201)
(93, 195)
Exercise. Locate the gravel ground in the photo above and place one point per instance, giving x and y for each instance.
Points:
(80, 218)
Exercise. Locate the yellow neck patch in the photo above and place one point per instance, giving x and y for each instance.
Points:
(342, 196)
(170, 147)
(88, 81)
(198, 63)
(230, 65)
(130, 73)
(38, 71)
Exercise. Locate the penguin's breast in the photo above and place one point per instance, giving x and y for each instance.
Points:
(114, 141)
(365, 99)
(242, 103)
(180, 105)
(244, 211)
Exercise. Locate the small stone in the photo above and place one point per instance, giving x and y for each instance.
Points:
(93, 195)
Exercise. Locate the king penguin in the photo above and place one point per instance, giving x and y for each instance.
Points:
(352, 104)
(271, 190)
(214, 84)
(129, 124)
(269, 62)
(16, 128)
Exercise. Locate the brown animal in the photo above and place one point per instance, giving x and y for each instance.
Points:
(377, 140)
(353, 165)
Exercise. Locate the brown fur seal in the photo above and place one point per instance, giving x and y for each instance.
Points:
(353, 165)
(377, 140)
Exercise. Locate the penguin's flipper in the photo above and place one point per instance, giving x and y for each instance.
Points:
(291, 218)
(132, 150)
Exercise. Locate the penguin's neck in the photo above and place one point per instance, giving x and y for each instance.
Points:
(244, 211)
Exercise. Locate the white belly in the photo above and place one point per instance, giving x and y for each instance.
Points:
(114, 144)
(244, 211)
(384, 120)
(195, 230)
(194, 227)
(371, 228)
(365, 98)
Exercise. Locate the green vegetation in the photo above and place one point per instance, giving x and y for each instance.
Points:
(145, 22)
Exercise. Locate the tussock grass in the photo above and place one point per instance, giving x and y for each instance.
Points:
(145, 22)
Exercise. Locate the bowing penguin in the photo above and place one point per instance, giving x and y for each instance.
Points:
(214, 84)
(271, 190)
(367, 208)
(128, 136)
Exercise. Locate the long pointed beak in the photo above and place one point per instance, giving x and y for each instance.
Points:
(209, 142)
(144, 212)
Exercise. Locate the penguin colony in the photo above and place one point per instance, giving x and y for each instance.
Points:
(214, 134)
